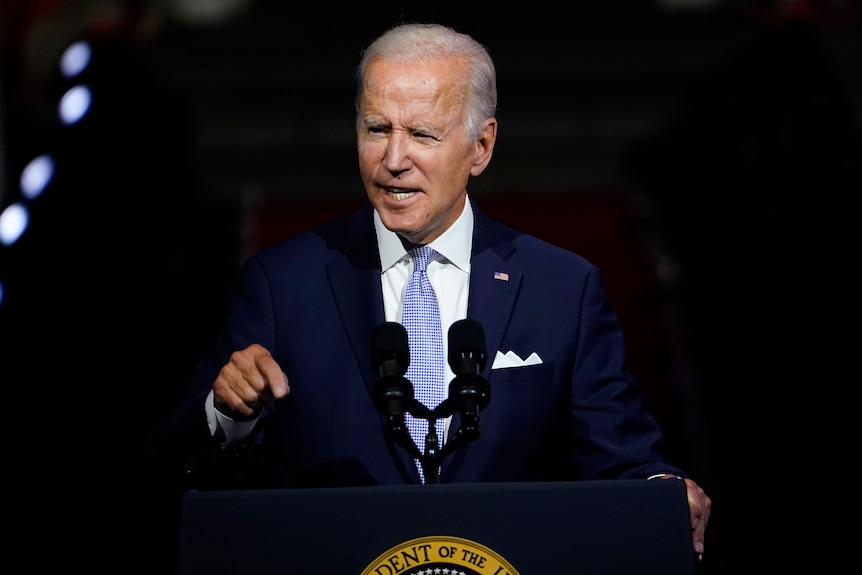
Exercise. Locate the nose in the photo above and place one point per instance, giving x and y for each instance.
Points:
(396, 159)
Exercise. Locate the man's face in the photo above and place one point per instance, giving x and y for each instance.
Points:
(415, 157)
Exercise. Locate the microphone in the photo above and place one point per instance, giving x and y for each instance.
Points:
(392, 393)
(466, 347)
(390, 350)
(468, 390)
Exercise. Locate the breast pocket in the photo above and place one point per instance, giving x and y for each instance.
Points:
(521, 374)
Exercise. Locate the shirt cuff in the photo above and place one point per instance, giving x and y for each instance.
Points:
(657, 475)
(228, 431)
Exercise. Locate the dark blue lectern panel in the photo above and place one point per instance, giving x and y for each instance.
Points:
(584, 528)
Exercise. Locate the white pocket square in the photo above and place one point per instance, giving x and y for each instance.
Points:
(512, 359)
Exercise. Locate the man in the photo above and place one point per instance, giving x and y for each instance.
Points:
(287, 399)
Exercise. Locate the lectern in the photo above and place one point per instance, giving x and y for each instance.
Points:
(620, 527)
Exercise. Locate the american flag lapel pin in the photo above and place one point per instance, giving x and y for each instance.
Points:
(502, 276)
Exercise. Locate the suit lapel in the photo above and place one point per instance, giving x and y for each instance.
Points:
(354, 276)
(359, 298)
(494, 286)
(494, 282)
(492, 300)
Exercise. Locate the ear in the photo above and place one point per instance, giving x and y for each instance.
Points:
(484, 146)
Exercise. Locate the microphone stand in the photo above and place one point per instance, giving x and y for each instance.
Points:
(390, 392)
(465, 390)
(432, 456)
(430, 459)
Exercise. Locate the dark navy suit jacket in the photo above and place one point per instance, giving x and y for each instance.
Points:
(314, 299)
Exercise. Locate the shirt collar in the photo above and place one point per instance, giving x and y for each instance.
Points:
(455, 244)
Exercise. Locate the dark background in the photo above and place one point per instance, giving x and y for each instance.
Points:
(705, 154)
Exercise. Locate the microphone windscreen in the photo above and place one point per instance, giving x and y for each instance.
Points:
(389, 342)
(467, 340)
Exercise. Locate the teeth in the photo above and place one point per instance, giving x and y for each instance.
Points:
(400, 195)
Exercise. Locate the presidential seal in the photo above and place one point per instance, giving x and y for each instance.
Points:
(436, 555)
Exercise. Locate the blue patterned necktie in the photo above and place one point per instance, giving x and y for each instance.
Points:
(421, 319)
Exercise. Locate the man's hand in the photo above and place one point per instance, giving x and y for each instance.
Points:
(699, 506)
(249, 381)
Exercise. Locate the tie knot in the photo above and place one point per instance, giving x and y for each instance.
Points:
(421, 256)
